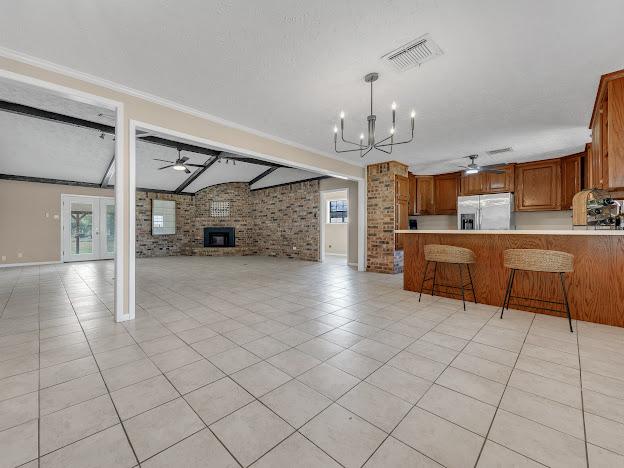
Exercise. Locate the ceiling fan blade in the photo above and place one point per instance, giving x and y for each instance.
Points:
(194, 165)
(184, 158)
(494, 166)
(164, 160)
(165, 167)
(187, 170)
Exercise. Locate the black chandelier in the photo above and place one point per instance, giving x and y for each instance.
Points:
(384, 145)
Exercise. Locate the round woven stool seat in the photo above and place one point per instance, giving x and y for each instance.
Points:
(551, 261)
(448, 254)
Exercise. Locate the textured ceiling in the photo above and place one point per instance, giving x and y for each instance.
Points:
(514, 73)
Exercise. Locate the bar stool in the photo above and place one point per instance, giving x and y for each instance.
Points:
(547, 261)
(436, 253)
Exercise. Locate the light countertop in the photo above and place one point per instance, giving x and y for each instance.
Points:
(550, 232)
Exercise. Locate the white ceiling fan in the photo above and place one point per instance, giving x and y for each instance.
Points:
(474, 168)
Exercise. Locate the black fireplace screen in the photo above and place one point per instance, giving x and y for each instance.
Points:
(219, 237)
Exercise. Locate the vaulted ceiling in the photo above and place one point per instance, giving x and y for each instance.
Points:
(513, 73)
(48, 149)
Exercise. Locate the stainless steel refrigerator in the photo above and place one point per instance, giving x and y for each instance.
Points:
(486, 212)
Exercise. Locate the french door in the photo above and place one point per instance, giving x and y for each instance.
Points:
(88, 231)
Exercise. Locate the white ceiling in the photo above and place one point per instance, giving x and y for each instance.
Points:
(514, 73)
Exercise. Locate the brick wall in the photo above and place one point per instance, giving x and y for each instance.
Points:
(160, 246)
(287, 217)
(382, 255)
(241, 216)
(267, 221)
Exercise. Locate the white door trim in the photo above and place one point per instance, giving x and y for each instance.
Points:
(323, 221)
(124, 284)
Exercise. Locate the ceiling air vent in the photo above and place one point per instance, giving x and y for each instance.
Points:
(499, 151)
(413, 53)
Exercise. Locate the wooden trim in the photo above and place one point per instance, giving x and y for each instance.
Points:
(109, 173)
(195, 175)
(43, 180)
(270, 170)
(291, 183)
(602, 89)
(28, 111)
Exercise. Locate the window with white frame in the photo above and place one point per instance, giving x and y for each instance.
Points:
(337, 212)
(163, 217)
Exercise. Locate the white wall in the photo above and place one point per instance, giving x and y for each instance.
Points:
(352, 189)
(524, 220)
(336, 235)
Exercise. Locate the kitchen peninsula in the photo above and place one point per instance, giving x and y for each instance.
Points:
(595, 287)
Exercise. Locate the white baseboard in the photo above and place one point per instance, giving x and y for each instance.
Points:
(353, 264)
(25, 264)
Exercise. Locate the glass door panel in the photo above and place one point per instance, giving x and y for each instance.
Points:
(107, 229)
(81, 228)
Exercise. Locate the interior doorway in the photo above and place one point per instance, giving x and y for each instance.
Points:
(88, 228)
(335, 226)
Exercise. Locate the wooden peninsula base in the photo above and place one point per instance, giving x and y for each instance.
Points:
(595, 288)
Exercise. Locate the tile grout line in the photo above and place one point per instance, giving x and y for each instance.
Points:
(487, 435)
(421, 397)
(582, 397)
(100, 372)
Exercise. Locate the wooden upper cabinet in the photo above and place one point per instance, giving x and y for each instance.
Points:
(413, 193)
(488, 182)
(472, 184)
(571, 178)
(401, 188)
(606, 159)
(500, 183)
(446, 191)
(424, 195)
(538, 186)
(614, 128)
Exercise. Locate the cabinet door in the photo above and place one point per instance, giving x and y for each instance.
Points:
(472, 184)
(424, 197)
(570, 179)
(446, 191)
(538, 186)
(401, 185)
(413, 191)
(596, 156)
(500, 183)
(401, 221)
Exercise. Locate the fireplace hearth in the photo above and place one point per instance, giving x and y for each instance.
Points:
(219, 237)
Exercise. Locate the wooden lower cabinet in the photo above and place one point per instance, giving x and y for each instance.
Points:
(538, 186)
(446, 191)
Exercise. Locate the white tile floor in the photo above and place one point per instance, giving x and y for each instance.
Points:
(281, 363)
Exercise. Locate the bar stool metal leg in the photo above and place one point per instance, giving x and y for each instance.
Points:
(422, 283)
(435, 270)
(461, 279)
(513, 277)
(565, 299)
(474, 294)
(507, 292)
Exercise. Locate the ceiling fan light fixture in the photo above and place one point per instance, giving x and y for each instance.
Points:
(472, 171)
(179, 167)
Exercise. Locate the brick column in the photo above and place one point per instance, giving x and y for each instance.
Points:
(382, 256)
